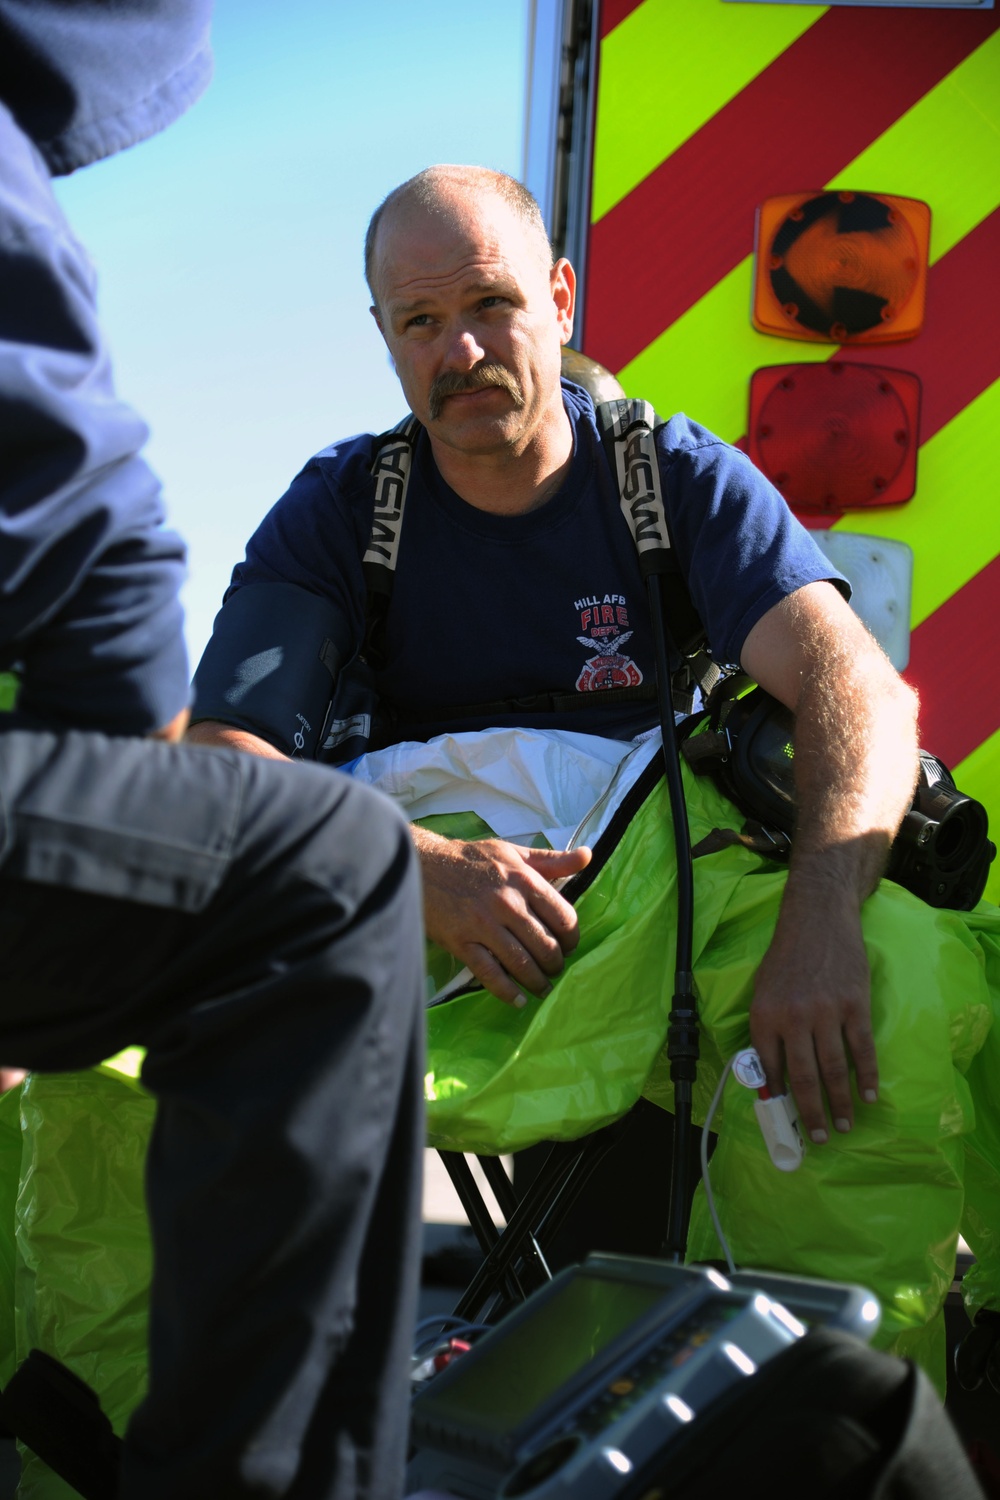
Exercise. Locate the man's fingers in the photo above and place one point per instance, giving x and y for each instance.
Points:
(556, 864)
(491, 975)
(554, 912)
(836, 1076)
(804, 1082)
(818, 1064)
(521, 959)
(545, 946)
(862, 1047)
(529, 952)
(554, 915)
(510, 987)
(772, 1058)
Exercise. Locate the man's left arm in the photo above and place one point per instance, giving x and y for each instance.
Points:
(855, 770)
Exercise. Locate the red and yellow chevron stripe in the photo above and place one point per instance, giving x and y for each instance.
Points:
(703, 110)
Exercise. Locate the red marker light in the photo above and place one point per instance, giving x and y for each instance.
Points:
(836, 436)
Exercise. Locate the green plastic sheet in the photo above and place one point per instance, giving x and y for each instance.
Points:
(74, 1251)
(882, 1206)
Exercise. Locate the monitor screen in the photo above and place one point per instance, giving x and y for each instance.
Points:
(524, 1364)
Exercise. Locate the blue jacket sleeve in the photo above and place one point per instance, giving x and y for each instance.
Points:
(89, 579)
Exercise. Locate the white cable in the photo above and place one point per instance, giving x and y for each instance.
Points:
(704, 1160)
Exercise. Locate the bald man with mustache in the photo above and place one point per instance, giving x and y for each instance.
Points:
(475, 313)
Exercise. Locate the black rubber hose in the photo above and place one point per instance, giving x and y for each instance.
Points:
(682, 1034)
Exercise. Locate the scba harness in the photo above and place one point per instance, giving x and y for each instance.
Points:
(325, 704)
(627, 431)
(322, 703)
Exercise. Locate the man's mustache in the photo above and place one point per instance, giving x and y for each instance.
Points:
(454, 383)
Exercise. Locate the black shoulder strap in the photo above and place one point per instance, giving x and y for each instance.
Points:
(628, 432)
(391, 474)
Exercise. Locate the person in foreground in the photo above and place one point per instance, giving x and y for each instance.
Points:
(255, 930)
(513, 556)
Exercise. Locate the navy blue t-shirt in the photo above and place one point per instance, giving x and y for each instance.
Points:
(487, 607)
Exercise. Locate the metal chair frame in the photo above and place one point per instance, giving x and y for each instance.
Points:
(515, 1264)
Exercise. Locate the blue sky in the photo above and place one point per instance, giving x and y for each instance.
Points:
(229, 247)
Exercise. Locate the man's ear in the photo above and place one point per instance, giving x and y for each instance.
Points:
(562, 281)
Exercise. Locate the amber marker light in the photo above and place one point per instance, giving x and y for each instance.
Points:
(841, 267)
(836, 436)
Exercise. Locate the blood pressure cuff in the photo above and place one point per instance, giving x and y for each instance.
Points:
(272, 664)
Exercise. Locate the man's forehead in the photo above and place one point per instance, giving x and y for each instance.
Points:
(474, 238)
(422, 271)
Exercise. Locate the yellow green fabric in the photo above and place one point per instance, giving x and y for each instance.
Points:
(74, 1241)
(10, 1176)
(882, 1206)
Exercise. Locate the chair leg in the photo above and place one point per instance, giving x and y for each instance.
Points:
(485, 1230)
(543, 1206)
(471, 1199)
(536, 1270)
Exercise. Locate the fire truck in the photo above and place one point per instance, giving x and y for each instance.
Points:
(786, 222)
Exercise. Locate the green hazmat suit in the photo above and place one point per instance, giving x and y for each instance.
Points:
(881, 1206)
(74, 1243)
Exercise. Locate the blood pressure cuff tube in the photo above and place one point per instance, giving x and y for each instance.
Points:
(271, 665)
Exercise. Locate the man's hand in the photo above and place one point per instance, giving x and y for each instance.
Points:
(10, 1078)
(855, 770)
(490, 903)
(811, 1013)
(493, 906)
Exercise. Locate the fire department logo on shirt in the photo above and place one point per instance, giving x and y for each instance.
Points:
(606, 622)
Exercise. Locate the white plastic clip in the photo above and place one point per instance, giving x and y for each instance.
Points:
(776, 1114)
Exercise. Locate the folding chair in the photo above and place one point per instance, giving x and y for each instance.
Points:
(518, 1256)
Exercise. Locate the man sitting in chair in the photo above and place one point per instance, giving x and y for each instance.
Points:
(517, 601)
